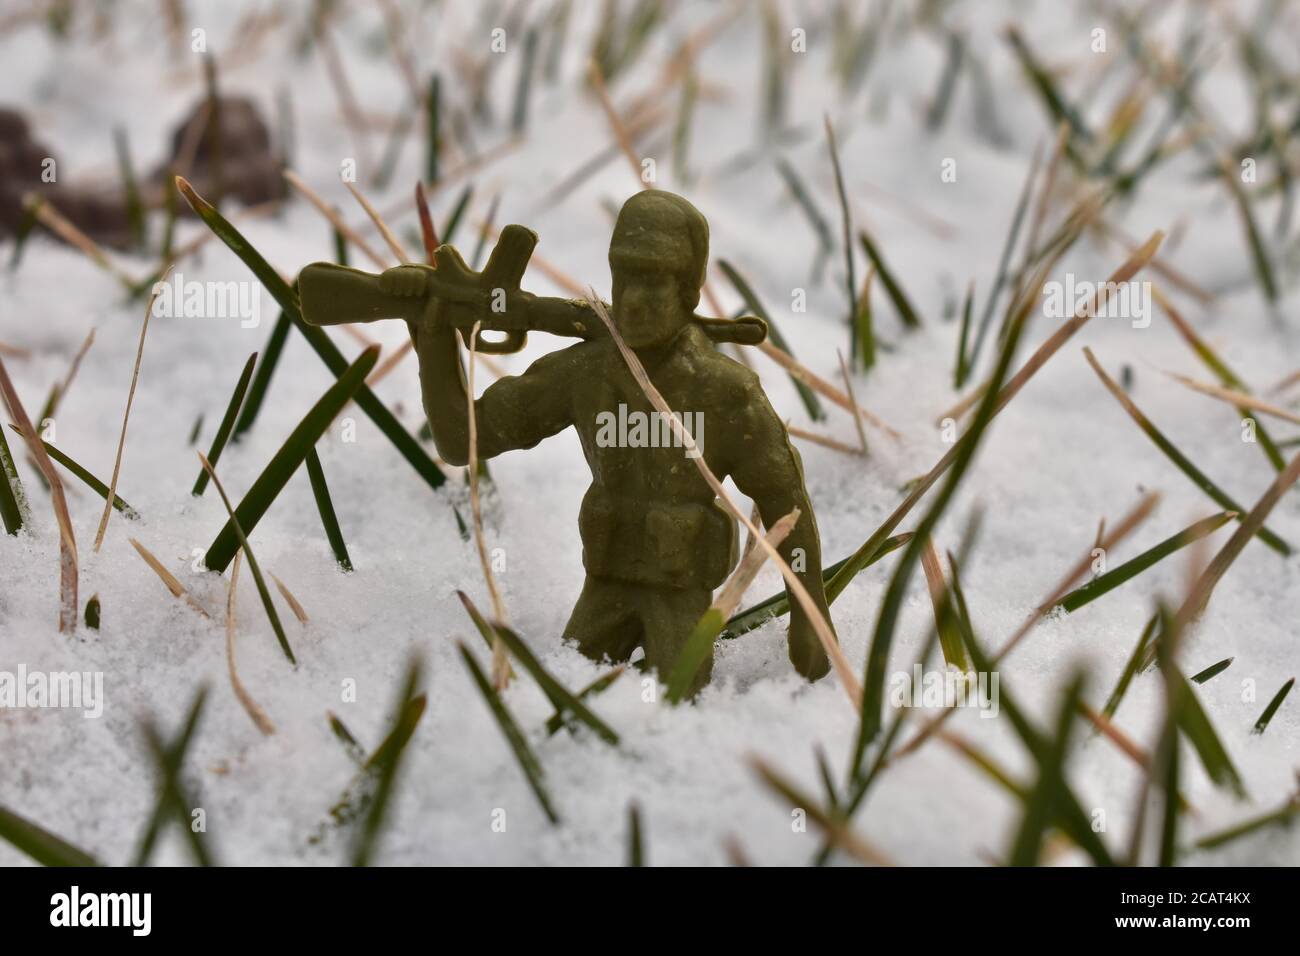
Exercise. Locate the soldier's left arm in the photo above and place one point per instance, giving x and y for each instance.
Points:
(767, 468)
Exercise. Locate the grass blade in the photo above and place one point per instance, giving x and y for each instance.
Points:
(514, 736)
(13, 503)
(1261, 725)
(1183, 463)
(1212, 671)
(265, 369)
(902, 306)
(325, 505)
(263, 591)
(169, 759)
(635, 840)
(1105, 583)
(227, 424)
(40, 844)
(598, 686)
(89, 480)
(286, 461)
(385, 763)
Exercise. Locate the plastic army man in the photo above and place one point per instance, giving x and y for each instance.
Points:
(655, 541)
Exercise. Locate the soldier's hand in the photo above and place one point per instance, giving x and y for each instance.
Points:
(403, 280)
(806, 651)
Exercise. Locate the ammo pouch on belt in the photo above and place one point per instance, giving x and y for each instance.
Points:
(665, 545)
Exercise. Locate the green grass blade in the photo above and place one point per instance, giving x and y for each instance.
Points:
(325, 505)
(1181, 461)
(635, 838)
(1213, 670)
(1283, 816)
(514, 736)
(40, 844)
(846, 222)
(962, 369)
(285, 462)
(1198, 730)
(746, 292)
(89, 480)
(694, 651)
(1135, 664)
(1105, 583)
(135, 219)
(93, 612)
(457, 214)
(779, 604)
(368, 834)
(596, 687)
(433, 132)
(169, 765)
(262, 590)
(1040, 808)
(227, 424)
(906, 314)
(344, 736)
(13, 504)
(265, 369)
(1261, 725)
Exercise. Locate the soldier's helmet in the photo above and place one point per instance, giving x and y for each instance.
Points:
(661, 231)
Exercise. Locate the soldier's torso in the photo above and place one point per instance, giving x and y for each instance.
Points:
(649, 515)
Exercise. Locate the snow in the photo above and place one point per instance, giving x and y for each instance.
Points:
(1060, 458)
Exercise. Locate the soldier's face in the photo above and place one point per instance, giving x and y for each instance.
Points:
(648, 307)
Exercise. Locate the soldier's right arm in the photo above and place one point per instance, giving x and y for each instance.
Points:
(517, 411)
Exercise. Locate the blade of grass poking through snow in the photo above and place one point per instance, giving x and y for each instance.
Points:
(227, 424)
(1040, 808)
(344, 736)
(1209, 579)
(1284, 816)
(287, 299)
(294, 605)
(635, 840)
(556, 693)
(13, 503)
(68, 606)
(265, 368)
(1222, 372)
(263, 591)
(1261, 725)
(1052, 99)
(821, 228)
(865, 320)
(906, 314)
(172, 757)
(457, 214)
(746, 292)
(1105, 583)
(325, 505)
(700, 641)
(835, 829)
(93, 612)
(816, 620)
(779, 604)
(945, 614)
(1200, 733)
(1133, 665)
(846, 221)
(1183, 463)
(255, 712)
(601, 684)
(168, 579)
(962, 369)
(385, 763)
(1258, 253)
(130, 189)
(859, 559)
(40, 844)
(89, 480)
(126, 415)
(285, 462)
(1214, 670)
(514, 736)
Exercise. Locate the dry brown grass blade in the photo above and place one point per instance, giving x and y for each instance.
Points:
(61, 226)
(820, 385)
(500, 662)
(853, 401)
(72, 372)
(294, 605)
(815, 618)
(394, 246)
(823, 440)
(67, 540)
(1199, 596)
(348, 233)
(615, 122)
(1236, 398)
(734, 588)
(245, 698)
(837, 832)
(14, 351)
(1167, 272)
(347, 100)
(126, 415)
(167, 578)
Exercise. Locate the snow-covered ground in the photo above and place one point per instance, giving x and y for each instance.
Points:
(1062, 456)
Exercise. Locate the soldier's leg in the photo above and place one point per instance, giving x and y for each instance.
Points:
(604, 622)
(669, 616)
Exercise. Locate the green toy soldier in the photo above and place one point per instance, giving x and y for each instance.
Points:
(655, 541)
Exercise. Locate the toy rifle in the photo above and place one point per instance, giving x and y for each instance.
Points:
(332, 294)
